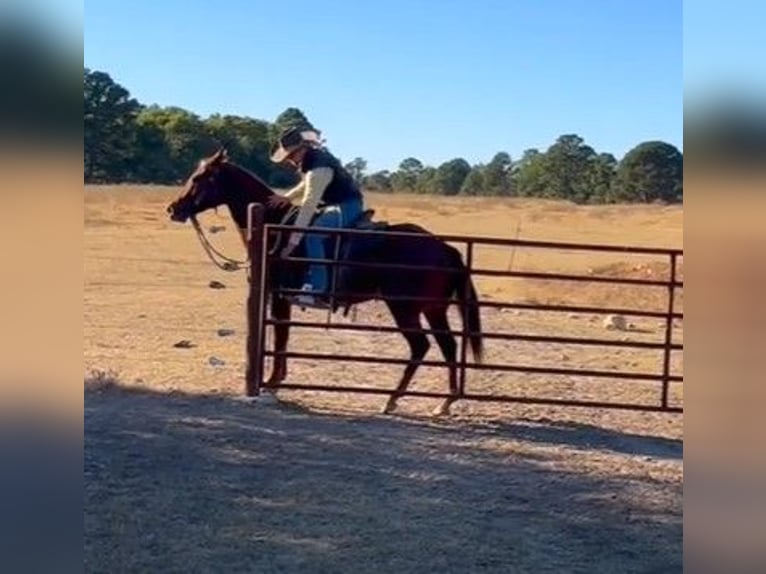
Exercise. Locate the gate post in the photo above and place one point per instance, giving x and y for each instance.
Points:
(465, 335)
(256, 300)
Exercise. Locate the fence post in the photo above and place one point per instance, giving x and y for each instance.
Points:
(255, 300)
(668, 331)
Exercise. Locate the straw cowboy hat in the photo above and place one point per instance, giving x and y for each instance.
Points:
(291, 140)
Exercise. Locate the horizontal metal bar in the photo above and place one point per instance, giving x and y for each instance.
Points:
(580, 278)
(478, 366)
(486, 272)
(497, 336)
(477, 397)
(579, 309)
(505, 305)
(482, 240)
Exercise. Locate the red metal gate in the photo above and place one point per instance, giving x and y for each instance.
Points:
(258, 321)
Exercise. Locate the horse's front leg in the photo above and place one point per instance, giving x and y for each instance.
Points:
(280, 311)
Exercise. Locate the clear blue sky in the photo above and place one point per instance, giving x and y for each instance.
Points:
(433, 79)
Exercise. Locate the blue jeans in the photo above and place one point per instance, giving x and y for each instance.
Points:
(336, 217)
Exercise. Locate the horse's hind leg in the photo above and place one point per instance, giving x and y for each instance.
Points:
(408, 317)
(437, 318)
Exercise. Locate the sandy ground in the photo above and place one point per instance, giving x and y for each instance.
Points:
(180, 476)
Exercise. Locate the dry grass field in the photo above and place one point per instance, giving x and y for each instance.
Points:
(180, 476)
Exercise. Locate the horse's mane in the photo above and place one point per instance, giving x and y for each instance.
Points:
(251, 174)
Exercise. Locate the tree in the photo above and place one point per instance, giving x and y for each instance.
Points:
(450, 176)
(407, 176)
(356, 168)
(601, 177)
(246, 140)
(529, 174)
(497, 175)
(567, 163)
(185, 135)
(475, 181)
(125, 140)
(649, 172)
(379, 181)
(152, 161)
(109, 128)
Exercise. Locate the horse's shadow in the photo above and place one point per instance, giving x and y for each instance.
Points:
(581, 436)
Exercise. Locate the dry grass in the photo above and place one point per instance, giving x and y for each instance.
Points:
(312, 481)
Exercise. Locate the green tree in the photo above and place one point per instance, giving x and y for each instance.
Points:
(152, 162)
(651, 171)
(528, 174)
(379, 181)
(475, 181)
(407, 176)
(601, 177)
(185, 134)
(497, 175)
(109, 128)
(568, 163)
(246, 140)
(450, 176)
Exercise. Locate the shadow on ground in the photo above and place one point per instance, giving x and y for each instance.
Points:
(588, 437)
(178, 483)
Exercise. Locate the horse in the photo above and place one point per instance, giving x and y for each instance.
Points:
(435, 274)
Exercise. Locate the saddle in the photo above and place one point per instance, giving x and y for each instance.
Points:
(364, 221)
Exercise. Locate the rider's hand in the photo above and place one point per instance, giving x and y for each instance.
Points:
(277, 200)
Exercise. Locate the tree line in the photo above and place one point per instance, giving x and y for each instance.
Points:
(129, 142)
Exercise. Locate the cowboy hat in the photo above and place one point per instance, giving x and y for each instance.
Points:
(291, 140)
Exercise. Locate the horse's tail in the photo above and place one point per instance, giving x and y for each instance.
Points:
(466, 294)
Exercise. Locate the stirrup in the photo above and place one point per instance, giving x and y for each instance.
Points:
(310, 299)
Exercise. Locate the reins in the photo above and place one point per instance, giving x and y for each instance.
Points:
(229, 264)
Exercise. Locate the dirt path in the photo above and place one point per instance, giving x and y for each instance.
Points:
(183, 483)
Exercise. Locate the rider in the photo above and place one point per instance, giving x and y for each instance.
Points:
(326, 184)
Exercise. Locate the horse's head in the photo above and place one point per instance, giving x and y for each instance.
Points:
(204, 189)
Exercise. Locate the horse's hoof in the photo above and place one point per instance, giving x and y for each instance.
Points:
(442, 410)
(389, 408)
(274, 381)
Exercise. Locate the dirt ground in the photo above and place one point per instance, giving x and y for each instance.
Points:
(182, 476)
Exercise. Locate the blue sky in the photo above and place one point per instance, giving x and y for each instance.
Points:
(433, 79)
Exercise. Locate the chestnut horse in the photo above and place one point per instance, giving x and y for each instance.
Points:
(408, 293)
